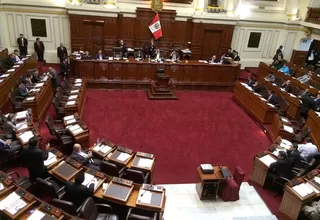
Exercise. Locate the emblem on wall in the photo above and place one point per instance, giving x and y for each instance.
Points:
(156, 5)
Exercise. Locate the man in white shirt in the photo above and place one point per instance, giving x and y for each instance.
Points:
(85, 158)
(305, 78)
(307, 149)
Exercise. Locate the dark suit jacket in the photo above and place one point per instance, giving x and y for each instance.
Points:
(307, 104)
(33, 158)
(77, 157)
(282, 167)
(35, 79)
(123, 49)
(8, 62)
(77, 194)
(317, 103)
(63, 67)
(61, 52)
(38, 48)
(257, 88)
(236, 58)
(25, 41)
(3, 145)
(287, 88)
(55, 79)
(295, 158)
(97, 56)
(85, 57)
(273, 99)
(23, 91)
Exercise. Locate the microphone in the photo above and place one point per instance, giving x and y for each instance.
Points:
(143, 193)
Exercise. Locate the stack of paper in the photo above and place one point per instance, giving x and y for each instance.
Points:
(267, 160)
(102, 148)
(123, 156)
(78, 81)
(288, 128)
(1, 186)
(51, 159)
(76, 129)
(77, 84)
(21, 61)
(292, 95)
(271, 105)
(12, 203)
(317, 179)
(318, 113)
(68, 122)
(74, 91)
(25, 136)
(87, 179)
(303, 189)
(10, 70)
(284, 119)
(1, 80)
(16, 66)
(144, 196)
(39, 85)
(22, 114)
(30, 98)
(35, 90)
(73, 97)
(263, 99)
(36, 215)
(147, 163)
(71, 103)
(4, 75)
(68, 117)
(22, 125)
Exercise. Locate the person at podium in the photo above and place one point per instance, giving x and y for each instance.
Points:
(151, 48)
(124, 50)
(214, 59)
(174, 56)
(100, 55)
(158, 55)
(86, 56)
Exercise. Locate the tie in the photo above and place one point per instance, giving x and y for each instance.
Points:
(22, 42)
(269, 98)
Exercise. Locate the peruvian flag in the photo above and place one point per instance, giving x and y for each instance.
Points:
(155, 27)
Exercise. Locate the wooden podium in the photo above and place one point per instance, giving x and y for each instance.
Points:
(161, 89)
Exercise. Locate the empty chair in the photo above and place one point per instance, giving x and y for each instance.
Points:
(66, 206)
(22, 181)
(89, 211)
(54, 126)
(16, 105)
(111, 169)
(137, 176)
(297, 125)
(304, 133)
(48, 189)
(229, 190)
(135, 214)
(59, 108)
(67, 142)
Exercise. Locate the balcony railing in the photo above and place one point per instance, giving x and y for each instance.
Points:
(313, 15)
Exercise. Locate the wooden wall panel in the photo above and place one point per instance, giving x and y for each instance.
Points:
(93, 33)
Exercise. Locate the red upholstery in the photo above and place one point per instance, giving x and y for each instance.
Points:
(229, 189)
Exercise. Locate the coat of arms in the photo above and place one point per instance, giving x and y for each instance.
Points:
(156, 5)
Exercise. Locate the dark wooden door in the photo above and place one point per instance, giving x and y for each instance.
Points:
(211, 44)
(94, 37)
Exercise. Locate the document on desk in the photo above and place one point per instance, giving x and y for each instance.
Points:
(25, 136)
(36, 215)
(4, 75)
(74, 127)
(318, 114)
(30, 98)
(105, 149)
(292, 95)
(284, 119)
(10, 70)
(144, 196)
(263, 99)
(22, 114)
(72, 97)
(16, 207)
(9, 201)
(35, 90)
(144, 162)
(71, 121)
(22, 125)
(78, 131)
(123, 156)
(78, 81)
(317, 179)
(271, 105)
(1, 186)
(16, 66)
(87, 179)
(303, 189)
(51, 159)
(71, 103)
(74, 91)
(288, 128)
(77, 84)
(68, 117)
(267, 160)
(39, 85)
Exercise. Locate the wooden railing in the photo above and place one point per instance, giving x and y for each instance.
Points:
(313, 15)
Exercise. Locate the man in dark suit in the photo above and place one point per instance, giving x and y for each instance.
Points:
(294, 156)
(272, 99)
(86, 56)
(23, 45)
(9, 145)
(84, 158)
(35, 76)
(257, 87)
(270, 77)
(123, 48)
(236, 56)
(251, 81)
(307, 104)
(39, 49)
(23, 90)
(33, 158)
(100, 55)
(317, 101)
(287, 86)
(64, 67)
(151, 48)
(78, 193)
(62, 52)
(279, 50)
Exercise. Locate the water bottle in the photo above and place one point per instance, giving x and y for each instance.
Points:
(98, 140)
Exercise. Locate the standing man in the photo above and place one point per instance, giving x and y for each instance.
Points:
(123, 48)
(62, 52)
(23, 45)
(55, 79)
(39, 49)
(64, 67)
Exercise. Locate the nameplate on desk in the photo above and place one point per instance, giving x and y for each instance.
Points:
(96, 173)
(25, 195)
(122, 181)
(147, 155)
(126, 150)
(152, 187)
(73, 163)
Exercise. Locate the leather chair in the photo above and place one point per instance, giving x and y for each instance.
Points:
(89, 211)
(139, 215)
(298, 125)
(7, 158)
(53, 128)
(65, 89)
(66, 206)
(17, 106)
(67, 142)
(59, 108)
(229, 190)
(304, 133)
(137, 176)
(22, 181)
(48, 188)
(111, 169)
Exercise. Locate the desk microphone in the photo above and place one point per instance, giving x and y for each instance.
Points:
(143, 193)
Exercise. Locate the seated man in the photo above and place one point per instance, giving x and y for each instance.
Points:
(33, 158)
(257, 87)
(272, 99)
(86, 56)
(28, 81)
(10, 128)
(16, 56)
(305, 78)
(35, 76)
(307, 149)
(23, 90)
(251, 81)
(100, 55)
(294, 156)
(78, 193)
(236, 57)
(158, 55)
(85, 159)
(174, 56)
(285, 69)
(139, 55)
(276, 65)
(214, 59)
(270, 77)
(317, 102)
(287, 86)
(9, 145)
(8, 62)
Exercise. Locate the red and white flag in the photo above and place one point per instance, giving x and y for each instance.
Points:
(155, 27)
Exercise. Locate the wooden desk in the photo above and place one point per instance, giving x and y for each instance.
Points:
(313, 122)
(207, 185)
(253, 104)
(83, 137)
(4, 53)
(136, 75)
(9, 82)
(277, 129)
(259, 171)
(134, 163)
(78, 106)
(41, 102)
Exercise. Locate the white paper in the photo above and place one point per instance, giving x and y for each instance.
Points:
(4, 75)
(16, 66)
(292, 95)
(73, 97)
(22, 114)
(123, 156)
(256, 94)
(78, 81)
(288, 128)
(1, 186)
(51, 159)
(263, 99)
(10, 70)
(71, 103)
(78, 84)
(144, 162)
(9, 201)
(25, 136)
(39, 85)
(74, 91)
(16, 207)
(284, 141)
(267, 160)
(36, 215)
(318, 113)
(30, 98)
(270, 105)
(144, 196)
(74, 127)
(22, 125)
(317, 179)
(71, 121)
(206, 166)
(87, 179)
(77, 131)
(68, 117)
(35, 90)
(105, 149)
(303, 189)
(284, 119)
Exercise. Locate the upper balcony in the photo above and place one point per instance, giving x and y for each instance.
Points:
(313, 15)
